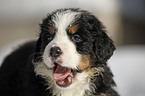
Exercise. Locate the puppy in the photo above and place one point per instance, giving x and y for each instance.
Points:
(68, 59)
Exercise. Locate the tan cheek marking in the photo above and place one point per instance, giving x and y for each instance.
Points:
(73, 29)
(51, 30)
(85, 62)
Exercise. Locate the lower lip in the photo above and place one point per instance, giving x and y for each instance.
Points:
(65, 83)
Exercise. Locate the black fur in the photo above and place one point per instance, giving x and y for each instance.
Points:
(17, 77)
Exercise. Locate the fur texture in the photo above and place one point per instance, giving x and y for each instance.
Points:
(82, 49)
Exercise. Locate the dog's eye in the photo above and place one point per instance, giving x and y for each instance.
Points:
(49, 37)
(76, 38)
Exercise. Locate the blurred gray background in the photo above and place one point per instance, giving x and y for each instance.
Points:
(124, 21)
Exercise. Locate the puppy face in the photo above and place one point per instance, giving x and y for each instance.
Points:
(71, 42)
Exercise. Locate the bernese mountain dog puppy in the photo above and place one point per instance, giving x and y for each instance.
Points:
(68, 59)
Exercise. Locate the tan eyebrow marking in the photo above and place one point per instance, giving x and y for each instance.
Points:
(73, 29)
(51, 29)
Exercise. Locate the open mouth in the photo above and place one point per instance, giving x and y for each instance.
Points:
(64, 76)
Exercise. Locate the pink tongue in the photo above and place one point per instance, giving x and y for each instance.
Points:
(61, 73)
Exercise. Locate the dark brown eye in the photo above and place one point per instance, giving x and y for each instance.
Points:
(49, 37)
(76, 38)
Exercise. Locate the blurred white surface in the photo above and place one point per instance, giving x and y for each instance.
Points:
(128, 66)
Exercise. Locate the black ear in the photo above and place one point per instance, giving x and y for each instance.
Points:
(103, 45)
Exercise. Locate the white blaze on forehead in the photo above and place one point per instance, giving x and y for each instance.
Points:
(63, 19)
(70, 57)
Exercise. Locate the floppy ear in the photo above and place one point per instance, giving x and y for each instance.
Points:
(103, 45)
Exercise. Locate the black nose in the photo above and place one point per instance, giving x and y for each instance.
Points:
(55, 52)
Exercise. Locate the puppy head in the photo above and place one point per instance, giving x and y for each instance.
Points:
(71, 40)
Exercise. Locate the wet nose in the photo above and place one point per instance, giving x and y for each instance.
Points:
(55, 52)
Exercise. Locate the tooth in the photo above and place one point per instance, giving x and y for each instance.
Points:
(71, 74)
(69, 79)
